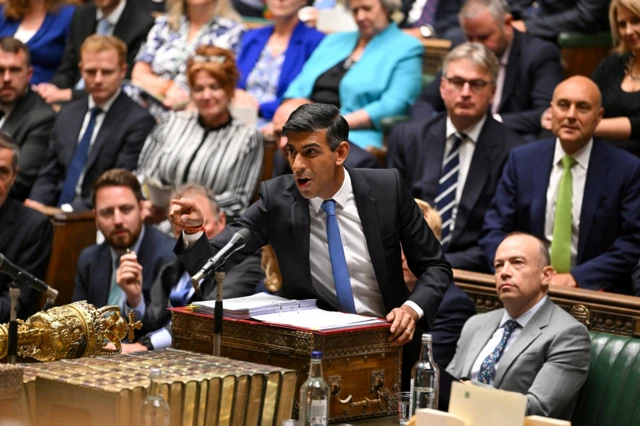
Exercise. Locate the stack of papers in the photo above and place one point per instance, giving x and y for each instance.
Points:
(278, 310)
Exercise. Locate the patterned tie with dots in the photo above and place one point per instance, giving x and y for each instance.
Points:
(488, 367)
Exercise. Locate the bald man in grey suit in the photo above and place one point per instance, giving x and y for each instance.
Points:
(531, 346)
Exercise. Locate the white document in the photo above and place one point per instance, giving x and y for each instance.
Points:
(159, 194)
(318, 319)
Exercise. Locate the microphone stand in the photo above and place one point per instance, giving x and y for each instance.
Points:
(218, 313)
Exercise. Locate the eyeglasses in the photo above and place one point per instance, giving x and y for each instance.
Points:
(476, 85)
(199, 59)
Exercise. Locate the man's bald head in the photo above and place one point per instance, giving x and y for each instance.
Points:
(281, 116)
(575, 112)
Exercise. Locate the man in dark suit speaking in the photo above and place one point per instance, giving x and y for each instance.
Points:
(336, 232)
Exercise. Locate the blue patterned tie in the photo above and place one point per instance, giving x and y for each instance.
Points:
(488, 367)
(78, 161)
(447, 187)
(338, 260)
(428, 13)
(180, 297)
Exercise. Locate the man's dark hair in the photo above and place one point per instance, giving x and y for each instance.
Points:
(13, 45)
(318, 117)
(117, 177)
(7, 142)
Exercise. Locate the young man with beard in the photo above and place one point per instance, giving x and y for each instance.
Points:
(121, 270)
(23, 114)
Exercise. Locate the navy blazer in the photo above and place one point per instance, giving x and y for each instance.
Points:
(25, 240)
(609, 235)
(416, 149)
(46, 47)
(117, 145)
(446, 18)
(533, 71)
(95, 267)
(636, 279)
(303, 42)
(358, 158)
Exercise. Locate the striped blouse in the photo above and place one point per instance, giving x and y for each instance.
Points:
(226, 159)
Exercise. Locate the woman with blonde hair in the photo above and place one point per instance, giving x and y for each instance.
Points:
(43, 25)
(160, 67)
(618, 77)
(205, 146)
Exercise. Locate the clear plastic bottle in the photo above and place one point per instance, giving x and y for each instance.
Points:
(425, 378)
(315, 395)
(154, 410)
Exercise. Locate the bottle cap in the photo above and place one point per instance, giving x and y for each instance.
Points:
(316, 355)
(155, 373)
(426, 337)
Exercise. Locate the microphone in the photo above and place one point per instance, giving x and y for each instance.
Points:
(21, 275)
(238, 241)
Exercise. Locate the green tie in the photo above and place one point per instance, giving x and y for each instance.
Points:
(561, 243)
(115, 292)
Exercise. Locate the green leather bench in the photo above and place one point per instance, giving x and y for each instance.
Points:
(611, 396)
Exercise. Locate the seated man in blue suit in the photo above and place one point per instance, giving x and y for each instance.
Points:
(456, 307)
(454, 161)
(358, 157)
(173, 288)
(120, 271)
(529, 69)
(578, 194)
(91, 135)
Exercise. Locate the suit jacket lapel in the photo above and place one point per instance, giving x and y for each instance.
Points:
(480, 339)
(595, 182)
(540, 183)
(20, 110)
(368, 212)
(481, 161)
(101, 277)
(531, 331)
(301, 232)
(435, 141)
(112, 119)
(513, 69)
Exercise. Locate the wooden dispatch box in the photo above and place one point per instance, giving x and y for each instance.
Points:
(362, 369)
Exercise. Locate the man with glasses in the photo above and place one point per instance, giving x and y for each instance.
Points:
(529, 69)
(454, 161)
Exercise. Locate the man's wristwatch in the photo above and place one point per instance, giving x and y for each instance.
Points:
(146, 341)
(427, 31)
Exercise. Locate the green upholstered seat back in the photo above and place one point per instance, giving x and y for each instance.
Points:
(611, 396)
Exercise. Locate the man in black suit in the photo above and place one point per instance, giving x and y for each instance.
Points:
(121, 270)
(304, 217)
(91, 135)
(126, 20)
(358, 157)
(25, 236)
(529, 69)
(548, 18)
(23, 114)
(454, 161)
(173, 288)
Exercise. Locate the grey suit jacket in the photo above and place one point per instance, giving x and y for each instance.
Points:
(548, 361)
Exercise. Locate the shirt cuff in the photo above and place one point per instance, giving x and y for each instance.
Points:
(190, 239)
(497, 117)
(139, 310)
(160, 339)
(415, 307)
(67, 208)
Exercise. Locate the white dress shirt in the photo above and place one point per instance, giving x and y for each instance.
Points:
(113, 17)
(364, 285)
(502, 72)
(497, 337)
(579, 178)
(467, 148)
(96, 129)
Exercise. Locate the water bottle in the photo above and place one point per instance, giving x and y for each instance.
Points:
(314, 395)
(154, 410)
(425, 378)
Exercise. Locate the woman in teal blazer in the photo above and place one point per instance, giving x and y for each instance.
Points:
(379, 65)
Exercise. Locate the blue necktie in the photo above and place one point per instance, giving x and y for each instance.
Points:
(447, 187)
(488, 367)
(180, 297)
(338, 261)
(78, 161)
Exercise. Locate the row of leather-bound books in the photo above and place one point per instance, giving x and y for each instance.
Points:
(200, 389)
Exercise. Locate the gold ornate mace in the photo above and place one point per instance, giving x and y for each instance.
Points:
(70, 331)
